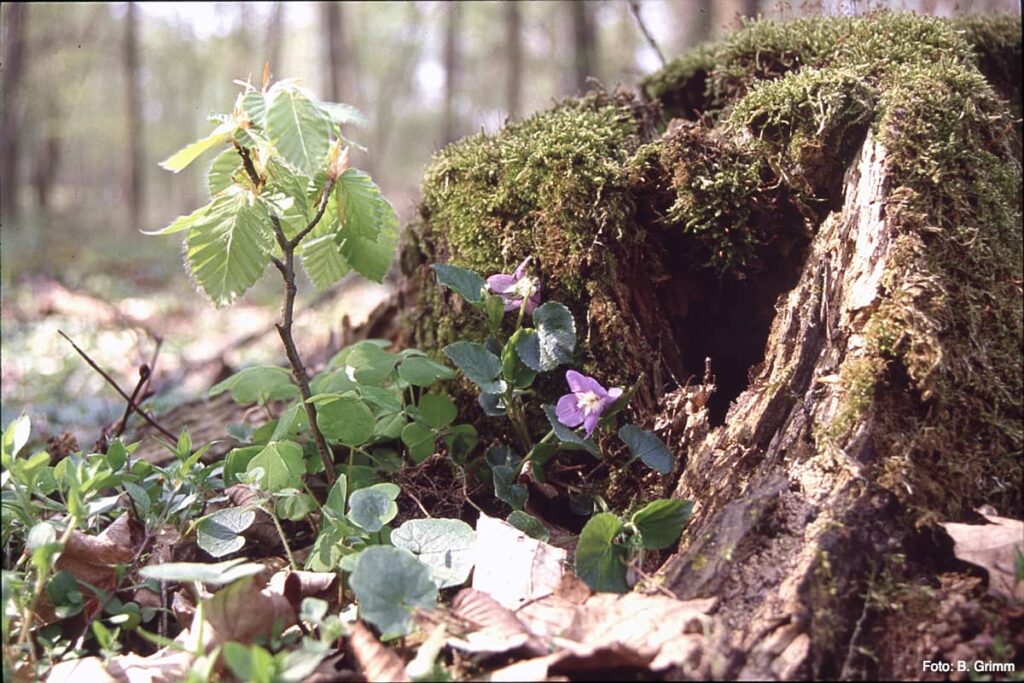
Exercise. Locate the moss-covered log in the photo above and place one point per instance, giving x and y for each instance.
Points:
(833, 219)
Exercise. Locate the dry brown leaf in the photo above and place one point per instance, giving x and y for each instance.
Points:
(299, 584)
(575, 660)
(495, 628)
(993, 547)
(262, 530)
(242, 612)
(164, 666)
(93, 559)
(513, 568)
(377, 662)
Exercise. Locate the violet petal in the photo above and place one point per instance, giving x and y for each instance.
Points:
(580, 383)
(590, 422)
(500, 283)
(569, 412)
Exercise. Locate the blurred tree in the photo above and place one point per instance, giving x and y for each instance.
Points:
(133, 114)
(47, 156)
(340, 68)
(727, 15)
(14, 54)
(452, 65)
(513, 59)
(692, 19)
(275, 31)
(584, 44)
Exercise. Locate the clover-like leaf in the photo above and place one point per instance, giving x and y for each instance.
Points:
(437, 411)
(419, 440)
(346, 420)
(373, 507)
(282, 466)
(421, 371)
(259, 384)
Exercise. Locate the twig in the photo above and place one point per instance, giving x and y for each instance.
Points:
(286, 266)
(634, 6)
(131, 404)
(144, 375)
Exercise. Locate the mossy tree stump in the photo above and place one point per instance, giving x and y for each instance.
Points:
(833, 219)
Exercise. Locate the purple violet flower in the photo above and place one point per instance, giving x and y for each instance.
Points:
(586, 403)
(516, 287)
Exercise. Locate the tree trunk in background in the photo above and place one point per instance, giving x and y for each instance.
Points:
(134, 190)
(584, 44)
(14, 54)
(514, 59)
(340, 68)
(275, 31)
(692, 19)
(47, 157)
(452, 65)
(395, 84)
(727, 14)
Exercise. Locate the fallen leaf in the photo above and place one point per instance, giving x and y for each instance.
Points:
(93, 559)
(512, 567)
(377, 662)
(993, 547)
(496, 629)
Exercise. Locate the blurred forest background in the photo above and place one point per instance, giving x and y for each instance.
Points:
(94, 95)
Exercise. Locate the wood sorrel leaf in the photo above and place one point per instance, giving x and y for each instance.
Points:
(661, 521)
(647, 446)
(506, 488)
(419, 440)
(373, 507)
(478, 364)
(346, 420)
(463, 282)
(599, 560)
(437, 411)
(282, 466)
(258, 384)
(421, 371)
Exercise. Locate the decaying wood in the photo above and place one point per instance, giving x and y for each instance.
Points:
(773, 505)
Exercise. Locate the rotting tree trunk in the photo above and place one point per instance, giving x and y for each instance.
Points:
(773, 508)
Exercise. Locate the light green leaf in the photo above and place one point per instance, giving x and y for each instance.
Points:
(370, 364)
(464, 282)
(647, 446)
(599, 560)
(178, 161)
(255, 106)
(321, 253)
(389, 583)
(369, 229)
(220, 533)
(346, 420)
(221, 171)
(337, 496)
(661, 521)
(421, 371)
(259, 384)
(513, 369)
(16, 436)
(460, 441)
(186, 222)
(342, 114)
(437, 411)
(478, 364)
(219, 574)
(228, 256)
(445, 545)
(299, 130)
(282, 465)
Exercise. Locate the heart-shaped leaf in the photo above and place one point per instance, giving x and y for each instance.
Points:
(478, 364)
(220, 533)
(661, 521)
(466, 283)
(599, 560)
(647, 446)
(389, 583)
(445, 545)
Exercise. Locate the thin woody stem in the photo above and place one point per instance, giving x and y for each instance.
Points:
(286, 266)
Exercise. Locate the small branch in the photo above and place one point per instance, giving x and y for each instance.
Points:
(634, 6)
(143, 378)
(325, 196)
(131, 403)
(247, 163)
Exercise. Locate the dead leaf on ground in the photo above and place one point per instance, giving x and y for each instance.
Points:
(164, 666)
(993, 547)
(377, 662)
(513, 568)
(494, 628)
(93, 559)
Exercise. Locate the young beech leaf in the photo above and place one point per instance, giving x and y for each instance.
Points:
(445, 545)
(599, 559)
(647, 446)
(178, 161)
(299, 130)
(389, 583)
(463, 282)
(369, 226)
(478, 364)
(661, 521)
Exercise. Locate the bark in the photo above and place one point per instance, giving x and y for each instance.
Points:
(340, 69)
(452, 66)
(47, 159)
(513, 59)
(773, 507)
(134, 189)
(13, 66)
